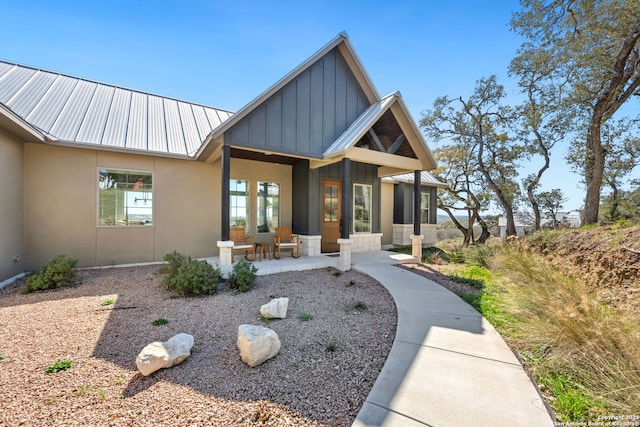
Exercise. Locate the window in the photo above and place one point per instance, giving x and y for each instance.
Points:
(239, 204)
(125, 197)
(331, 194)
(424, 208)
(361, 208)
(268, 206)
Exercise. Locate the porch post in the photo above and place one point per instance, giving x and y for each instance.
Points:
(416, 238)
(417, 198)
(226, 178)
(345, 221)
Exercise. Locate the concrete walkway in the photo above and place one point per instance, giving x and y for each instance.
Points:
(447, 367)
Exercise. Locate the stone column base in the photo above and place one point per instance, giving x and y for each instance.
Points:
(226, 247)
(416, 247)
(345, 254)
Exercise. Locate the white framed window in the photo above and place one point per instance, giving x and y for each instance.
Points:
(125, 197)
(362, 208)
(268, 206)
(239, 204)
(425, 198)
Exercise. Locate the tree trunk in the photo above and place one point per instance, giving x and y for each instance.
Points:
(484, 236)
(594, 171)
(460, 227)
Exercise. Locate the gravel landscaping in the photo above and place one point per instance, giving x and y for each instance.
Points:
(322, 375)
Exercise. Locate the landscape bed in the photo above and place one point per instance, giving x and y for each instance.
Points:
(322, 375)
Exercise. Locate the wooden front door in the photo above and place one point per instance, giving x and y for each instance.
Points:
(331, 214)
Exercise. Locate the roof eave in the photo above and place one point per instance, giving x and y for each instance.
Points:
(19, 127)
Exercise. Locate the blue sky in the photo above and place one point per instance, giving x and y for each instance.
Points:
(224, 54)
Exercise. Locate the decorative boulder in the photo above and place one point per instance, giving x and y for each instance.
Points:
(257, 344)
(158, 355)
(275, 309)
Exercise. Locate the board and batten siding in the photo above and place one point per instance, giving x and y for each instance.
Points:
(308, 114)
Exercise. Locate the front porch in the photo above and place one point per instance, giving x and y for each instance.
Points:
(288, 263)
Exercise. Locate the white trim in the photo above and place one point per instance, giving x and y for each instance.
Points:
(353, 208)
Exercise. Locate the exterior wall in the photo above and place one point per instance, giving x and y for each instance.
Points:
(386, 213)
(61, 200)
(13, 256)
(272, 172)
(402, 234)
(308, 114)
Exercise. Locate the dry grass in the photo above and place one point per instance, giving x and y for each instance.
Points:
(570, 338)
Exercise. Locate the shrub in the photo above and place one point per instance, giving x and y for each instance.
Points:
(479, 255)
(160, 321)
(243, 276)
(186, 276)
(331, 347)
(60, 365)
(59, 271)
(305, 317)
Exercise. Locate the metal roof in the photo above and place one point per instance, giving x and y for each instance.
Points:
(425, 179)
(360, 126)
(77, 111)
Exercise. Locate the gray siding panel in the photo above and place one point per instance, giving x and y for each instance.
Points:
(289, 122)
(303, 142)
(329, 102)
(308, 114)
(274, 122)
(317, 94)
(258, 127)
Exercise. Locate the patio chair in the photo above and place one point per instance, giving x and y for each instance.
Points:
(284, 239)
(241, 242)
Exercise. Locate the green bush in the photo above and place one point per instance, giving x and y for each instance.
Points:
(60, 365)
(186, 276)
(59, 271)
(479, 255)
(243, 276)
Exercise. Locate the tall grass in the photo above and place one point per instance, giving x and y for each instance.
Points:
(584, 352)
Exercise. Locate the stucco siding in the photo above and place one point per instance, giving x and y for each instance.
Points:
(386, 213)
(60, 204)
(13, 257)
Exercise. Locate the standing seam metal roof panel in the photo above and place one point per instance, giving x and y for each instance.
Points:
(157, 131)
(25, 100)
(115, 131)
(175, 137)
(214, 118)
(47, 110)
(204, 127)
(12, 82)
(95, 120)
(82, 111)
(68, 123)
(193, 139)
(5, 68)
(137, 129)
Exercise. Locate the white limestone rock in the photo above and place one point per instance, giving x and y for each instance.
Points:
(257, 344)
(275, 309)
(158, 355)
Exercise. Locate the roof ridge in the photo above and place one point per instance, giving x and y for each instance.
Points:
(43, 70)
